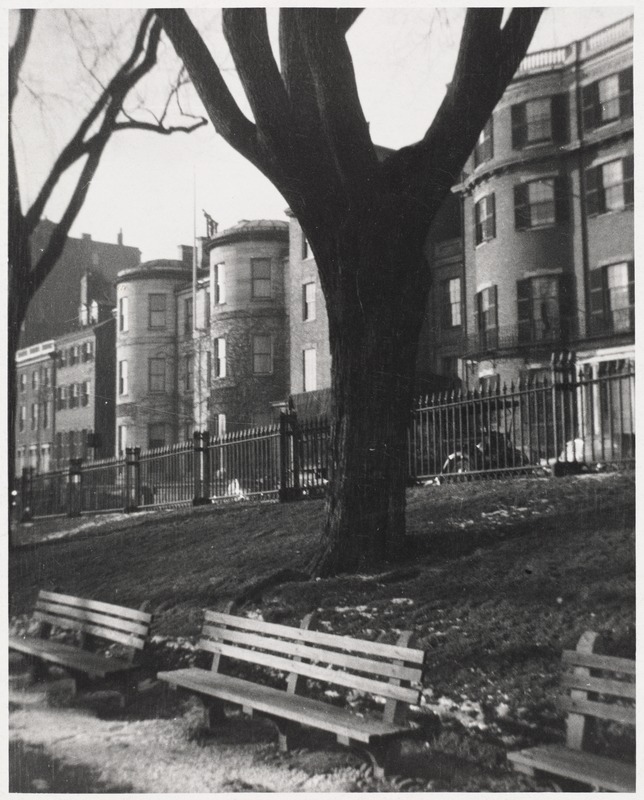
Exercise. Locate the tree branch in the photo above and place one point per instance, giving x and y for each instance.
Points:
(138, 125)
(339, 108)
(227, 118)
(345, 17)
(18, 50)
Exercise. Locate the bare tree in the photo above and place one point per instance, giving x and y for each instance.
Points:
(366, 222)
(85, 148)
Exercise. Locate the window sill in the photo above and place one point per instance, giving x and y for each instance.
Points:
(610, 211)
(486, 241)
(543, 227)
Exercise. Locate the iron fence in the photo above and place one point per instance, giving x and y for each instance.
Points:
(545, 425)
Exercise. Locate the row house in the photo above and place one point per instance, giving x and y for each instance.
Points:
(203, 345)
(533, 252)
(35, 410)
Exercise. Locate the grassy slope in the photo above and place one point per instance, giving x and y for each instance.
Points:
(504, 576)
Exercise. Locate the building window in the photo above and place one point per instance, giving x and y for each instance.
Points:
(612, 298)
(539, 121)
(306, 248)
(189, 372)
(187, 316)
(207, 309)
(74, 395)
(487, 318)
(73, 355)
(452, 303)
(34, 380)
(156, 435)
(86, 386)
(61, 397)
(220, 357)
(157, 311)
(262, 355)
(609, 187)
(62, 358)
(45, 415)
(23, 382)
(220, 284)
(484, 149)
(121, 439)
(34, 416)
(22, 417)
(45, 377)
(123, 314)
(261, 277)
(122, 377)
(156, 374)
(485, 219)
(309, 358)
(540, 202)
(88, 351)
(308, 301)
(538, 309)
(608, 99)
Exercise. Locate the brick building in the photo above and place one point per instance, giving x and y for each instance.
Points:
(35, 417)
(54, 306)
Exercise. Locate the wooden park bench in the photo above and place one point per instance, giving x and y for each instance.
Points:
(391, 672)
(70, 629)
(599, 688)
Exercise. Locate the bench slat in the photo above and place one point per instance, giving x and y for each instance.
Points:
(600, 685)
(69, 656)
(315, 654)
(311, 671)
(623, 714)
(297, 708)
(576, 764)
(362, 646)
(96, 605)
(104, 620)
(105, 633)
(595, 661)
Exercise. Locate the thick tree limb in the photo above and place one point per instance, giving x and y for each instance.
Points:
(226, 116)
(345, 17)
(18, 50)
(339, 108)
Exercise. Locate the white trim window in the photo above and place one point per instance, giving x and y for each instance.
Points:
(262, 354)
(220, 357)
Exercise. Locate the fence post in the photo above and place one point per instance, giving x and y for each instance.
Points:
(132, 479)
(201, 468)
(74, 487)
(289, 458)
(26, 494)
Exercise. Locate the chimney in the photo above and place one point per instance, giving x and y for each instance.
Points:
(185, 255)
(119, 238)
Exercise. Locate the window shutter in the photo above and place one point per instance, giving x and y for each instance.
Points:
(590, 104)
(597, 310)
(521, 207)
(560, 110)
(631, 293)
(593, 179)
(562, 198)
(523, 310)
(626, 93)
(627, 166)
(518, 126)
(493, 335)
(492, 219)
(475, 211)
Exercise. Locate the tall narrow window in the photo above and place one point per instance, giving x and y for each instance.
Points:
(306, 248)
(220, 425)
(189, 372)
(187, 316)
(45, 414)
(22, 418)
(220, 284)
(484, 149)
(484, 219)
(451, 307)
(261, 277)
(34, 380)
(308, 301)
(608, 99)
(220, 357)
(538, 309)
(34, 416)
(612, 298)
(487, 322)
(262, 355)
(309, 358)
(156, 374)
(122, 439)
(156, 435)
(609, 186)
(157, 311)
(86, 389)
(123, 314)
(122, 377)
(23, 382)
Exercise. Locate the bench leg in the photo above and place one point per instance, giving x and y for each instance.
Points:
(380, 756)
(213, 713)
(286, 733)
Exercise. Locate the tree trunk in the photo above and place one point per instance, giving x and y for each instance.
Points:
(374, 343)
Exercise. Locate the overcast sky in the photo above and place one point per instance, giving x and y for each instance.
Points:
(144, 185)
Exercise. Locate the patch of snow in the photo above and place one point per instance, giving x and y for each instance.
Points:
(402, 601)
